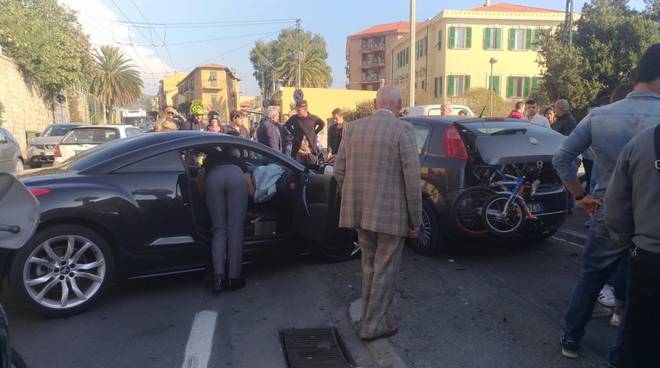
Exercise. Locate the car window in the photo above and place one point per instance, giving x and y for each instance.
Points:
(56, 131)
(132, 132)
(91, 136)
(421, 136)
(3, 138)
(165, 162)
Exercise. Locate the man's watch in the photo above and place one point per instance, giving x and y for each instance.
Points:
(581, 196)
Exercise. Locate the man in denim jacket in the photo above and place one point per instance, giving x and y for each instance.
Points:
(607, 130)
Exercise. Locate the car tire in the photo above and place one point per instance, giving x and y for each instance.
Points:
(430, 240)
(19, 167)
(48, 263)
(16, 360)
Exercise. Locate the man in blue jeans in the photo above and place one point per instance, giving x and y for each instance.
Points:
(607, 130)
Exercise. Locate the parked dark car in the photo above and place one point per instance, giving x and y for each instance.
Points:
(453, 155)
(11, 159)
(131, 208)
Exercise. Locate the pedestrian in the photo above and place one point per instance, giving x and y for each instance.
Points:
(377, 171)
(335, 131)
(549, 114)
(632, 216)
(532, 114)
(214, 123)
(517, 112)
(268, 132)
(227, 185)
(236, 127)
(565, 122)
(195, 121)
(463, 113)
(304, 126)
(607, 130)
(286, 136)
(445, 109)
(167, 122)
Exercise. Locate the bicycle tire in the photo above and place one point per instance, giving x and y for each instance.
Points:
(506, 225)
(467, 211)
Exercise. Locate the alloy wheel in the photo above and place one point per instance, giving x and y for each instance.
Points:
(426, 232)
(64, 271)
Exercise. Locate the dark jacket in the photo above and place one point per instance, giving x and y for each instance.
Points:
(268, 134)
(565, 124)
(305, 127)
(335, 134)
(191, 124)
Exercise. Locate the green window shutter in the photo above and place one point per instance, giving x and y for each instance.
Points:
(498, 38)
(509, 86)
(528, 41)
(526, 83)
(435, 87)
(450, 85)
(466, 83)
(468, 37)
(440, 40)
(486, 38)
(535, 83)
(496, 84)
(512, 39)
(452, 37)
(439, 86)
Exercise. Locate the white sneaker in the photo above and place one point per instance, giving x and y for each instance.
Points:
(615, 321)
(601, 311)
(606, 296)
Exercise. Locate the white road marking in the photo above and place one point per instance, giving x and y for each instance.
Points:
(200, 341)
(568, 242)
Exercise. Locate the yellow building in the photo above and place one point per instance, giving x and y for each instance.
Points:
(454, 49)
(321, 102)
(167, 90)
(216, 85)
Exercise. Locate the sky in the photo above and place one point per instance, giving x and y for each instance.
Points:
(161, 47)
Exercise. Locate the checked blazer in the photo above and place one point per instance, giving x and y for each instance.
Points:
(377, 169)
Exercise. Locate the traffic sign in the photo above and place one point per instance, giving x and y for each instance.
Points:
(298, 95)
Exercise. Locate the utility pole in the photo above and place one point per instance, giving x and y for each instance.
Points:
(299, 54)
(413, 54)
(568, 22)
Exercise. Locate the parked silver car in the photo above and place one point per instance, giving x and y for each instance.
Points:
(40, 149)
(11, 159)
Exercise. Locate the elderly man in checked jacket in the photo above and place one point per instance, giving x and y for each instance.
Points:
(377, 169)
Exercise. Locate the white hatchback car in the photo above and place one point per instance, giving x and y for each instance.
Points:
(436, 110)
(82, 138)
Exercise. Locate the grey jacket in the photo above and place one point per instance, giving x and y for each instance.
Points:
(607, 129)
(632, 202)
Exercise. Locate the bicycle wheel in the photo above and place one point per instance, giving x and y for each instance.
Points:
(467, 211)
(501, 219)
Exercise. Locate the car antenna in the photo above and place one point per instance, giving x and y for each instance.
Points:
(481, 115)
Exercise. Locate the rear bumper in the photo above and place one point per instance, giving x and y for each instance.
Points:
(555, 208)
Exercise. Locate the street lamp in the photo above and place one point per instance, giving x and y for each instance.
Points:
(492, 62)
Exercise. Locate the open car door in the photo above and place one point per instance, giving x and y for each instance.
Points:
(317, 218)
(19, 217)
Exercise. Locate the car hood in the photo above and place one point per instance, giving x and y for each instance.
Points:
(46, 140)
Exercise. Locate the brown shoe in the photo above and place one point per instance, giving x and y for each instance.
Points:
(389, 332)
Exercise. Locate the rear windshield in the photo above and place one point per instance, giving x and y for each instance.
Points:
(501, 127)
(56, 131)
(91, 136)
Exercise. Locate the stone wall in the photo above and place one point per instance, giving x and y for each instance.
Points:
(25, 110)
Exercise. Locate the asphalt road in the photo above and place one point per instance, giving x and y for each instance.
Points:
(494, 304)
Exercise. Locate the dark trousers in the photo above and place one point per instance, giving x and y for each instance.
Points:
(641, 325)
(226, 199)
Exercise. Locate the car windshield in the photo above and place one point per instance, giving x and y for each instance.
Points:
(91, 136)
(499, 127)
(56, 131)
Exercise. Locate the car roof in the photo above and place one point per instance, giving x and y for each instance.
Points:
(103, 126)
(437, 119)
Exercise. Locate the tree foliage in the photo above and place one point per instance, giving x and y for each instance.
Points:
(2, 111)
(117, 82)
(608, 41)
(361, 110)
(47, 43)
(278, 59)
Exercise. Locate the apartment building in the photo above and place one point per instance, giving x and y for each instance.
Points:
(167, 89)
(367, 64)
(454, 51)
(216, 85)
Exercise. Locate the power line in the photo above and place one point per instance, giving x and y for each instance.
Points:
(232, 22)
(207, 40)
(145, 18)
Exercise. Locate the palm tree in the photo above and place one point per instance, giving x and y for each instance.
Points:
(117, 82)
(315, 72)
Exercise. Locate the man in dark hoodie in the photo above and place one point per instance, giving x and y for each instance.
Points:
(304, 125)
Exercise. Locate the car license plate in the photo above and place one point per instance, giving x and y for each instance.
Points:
(535, 207)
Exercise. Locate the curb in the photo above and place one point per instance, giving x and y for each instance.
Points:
(381, 350)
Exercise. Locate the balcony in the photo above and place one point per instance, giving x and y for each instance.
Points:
(372, 64)
(373, 47)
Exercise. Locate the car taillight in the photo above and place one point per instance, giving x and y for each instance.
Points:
(454, 145)
(57, 152)
(38, 192)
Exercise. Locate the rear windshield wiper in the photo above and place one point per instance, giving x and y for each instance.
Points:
(510, 131)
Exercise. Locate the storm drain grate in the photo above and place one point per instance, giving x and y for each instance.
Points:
(314, 348)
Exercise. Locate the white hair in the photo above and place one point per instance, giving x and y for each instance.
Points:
(388, 96)
(273, 111)
(563, 105)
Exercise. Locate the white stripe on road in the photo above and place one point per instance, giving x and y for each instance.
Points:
(568, 242)
(200, 341)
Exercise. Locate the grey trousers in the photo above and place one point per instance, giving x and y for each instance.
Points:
(226, 198)
(381, 260)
